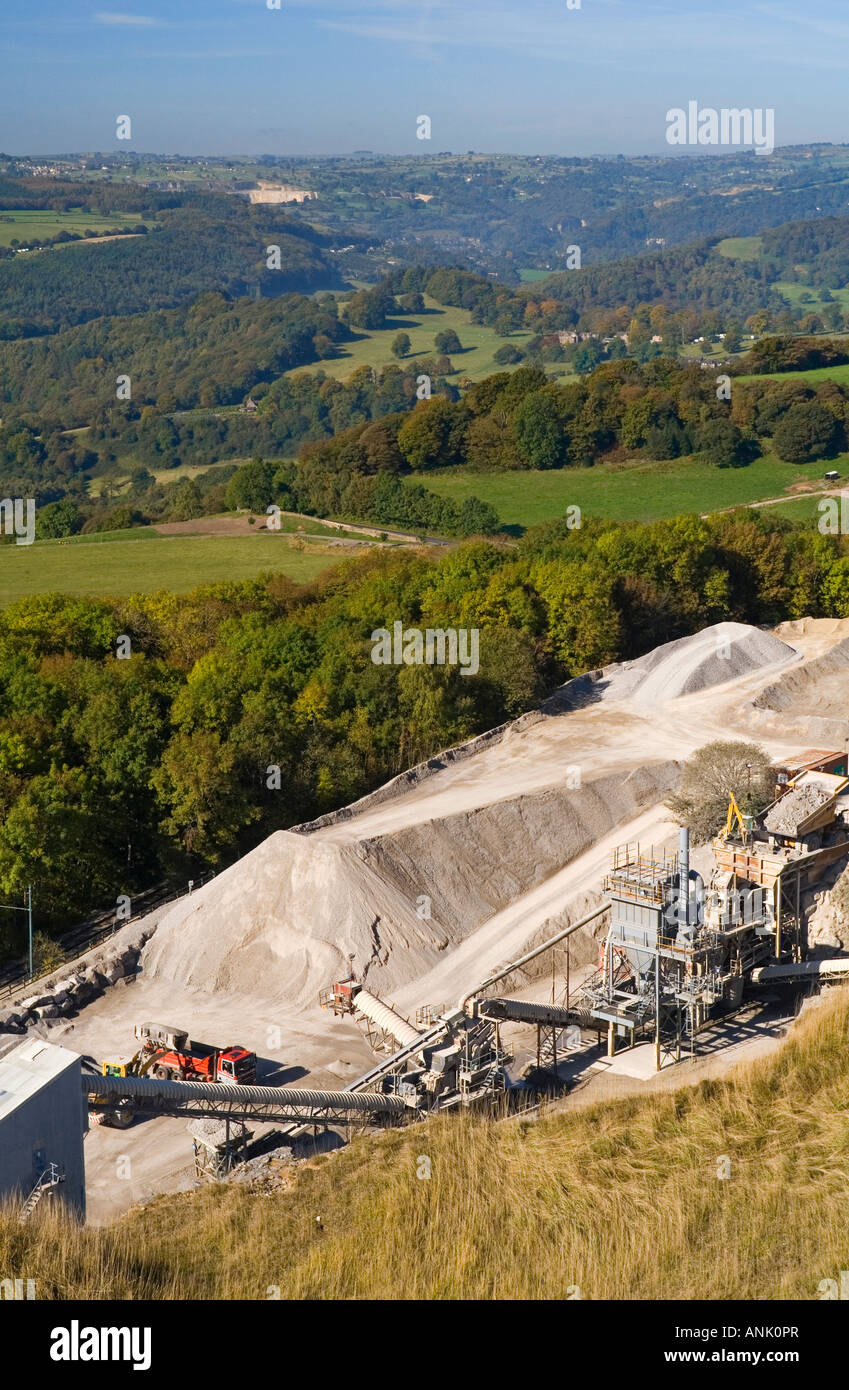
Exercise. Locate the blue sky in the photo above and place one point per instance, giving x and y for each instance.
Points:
(331, 76)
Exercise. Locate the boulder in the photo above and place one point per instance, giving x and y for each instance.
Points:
(46, 1011)
(10, 1021)
(35, 1001)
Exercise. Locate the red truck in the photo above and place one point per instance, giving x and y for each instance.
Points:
(168, 1053)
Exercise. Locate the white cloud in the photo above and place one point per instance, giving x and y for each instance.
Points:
(113, 17)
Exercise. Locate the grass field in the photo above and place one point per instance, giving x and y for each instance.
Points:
(741, 248)
(27, 223)
(795, 292)
(749, 248)
(640, 491)
(839, 374)
(374, 349)
(616, 1200)
(162, 475)
(803, 509)
(121, 563)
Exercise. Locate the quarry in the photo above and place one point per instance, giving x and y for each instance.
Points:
(520, 917)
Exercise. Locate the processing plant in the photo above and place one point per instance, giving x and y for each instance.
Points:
(679, 953)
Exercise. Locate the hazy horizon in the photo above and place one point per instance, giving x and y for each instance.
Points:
(301, 81)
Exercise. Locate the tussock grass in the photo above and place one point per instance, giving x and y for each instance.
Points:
(621, 1200)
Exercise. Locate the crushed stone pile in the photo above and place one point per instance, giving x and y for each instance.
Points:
(794, 808)
(215, 1133)
(286, 920)
(724, 652)
(828, 905)
(300, 911)
(811, 699)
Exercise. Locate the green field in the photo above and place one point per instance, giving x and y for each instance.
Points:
(749, 248)
(26, 224)
(642, 491)
(795, 292)
(839, 374)
(802, 509)
(741, 248)
(119, 479)
(374, 349)
(125, 564)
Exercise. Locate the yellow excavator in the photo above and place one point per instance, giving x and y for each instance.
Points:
(735, 815)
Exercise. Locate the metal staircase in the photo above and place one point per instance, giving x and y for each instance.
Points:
(554, 1046)
(52, 1176)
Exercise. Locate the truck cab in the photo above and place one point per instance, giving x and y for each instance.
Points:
(237, 1066)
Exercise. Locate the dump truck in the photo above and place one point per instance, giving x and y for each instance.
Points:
(169, 1054)
(808, 808)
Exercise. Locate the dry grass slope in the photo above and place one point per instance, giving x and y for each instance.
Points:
(622, 1200)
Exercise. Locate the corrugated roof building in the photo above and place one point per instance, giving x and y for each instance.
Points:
(43, 1120)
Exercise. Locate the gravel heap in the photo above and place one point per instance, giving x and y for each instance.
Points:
(795, 807)
(718, 654)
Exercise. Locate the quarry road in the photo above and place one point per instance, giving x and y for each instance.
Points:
(601, 739)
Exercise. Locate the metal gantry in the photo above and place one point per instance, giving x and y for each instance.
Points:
(678, 953)
(203, 1099)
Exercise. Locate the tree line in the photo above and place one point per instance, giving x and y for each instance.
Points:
(248, 707)
(370, 470)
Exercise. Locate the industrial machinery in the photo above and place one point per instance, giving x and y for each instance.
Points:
(169, 1055)
(456, 1060)
(679, 953)
(735, 815)
(220, 1145)
(114, 1113)
(675, 954)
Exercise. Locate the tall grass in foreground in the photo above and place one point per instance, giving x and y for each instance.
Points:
(618, 1200)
